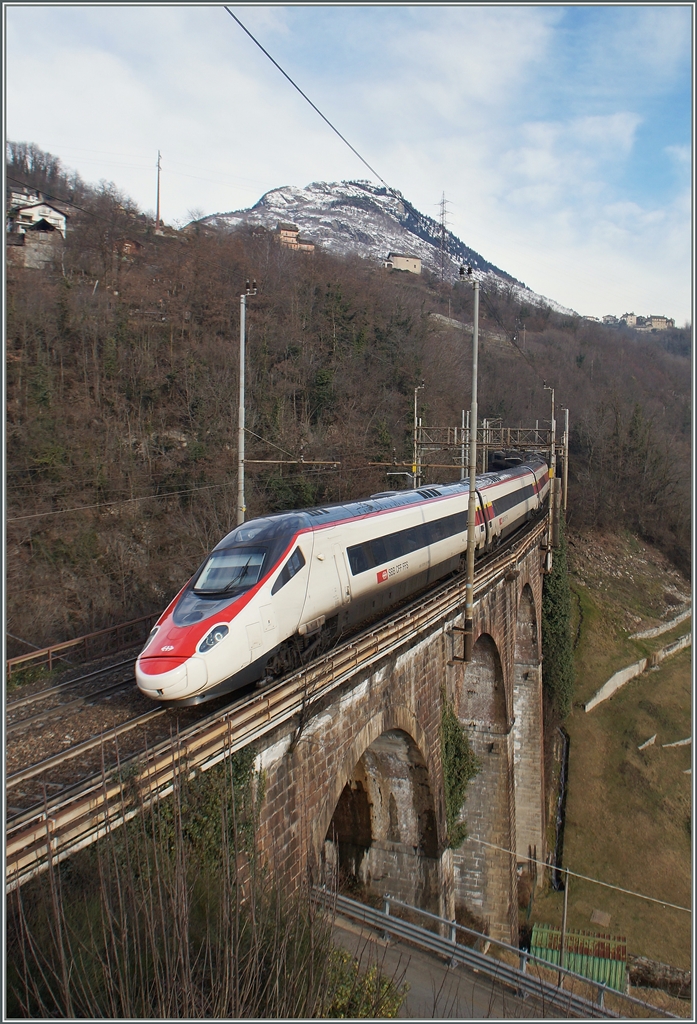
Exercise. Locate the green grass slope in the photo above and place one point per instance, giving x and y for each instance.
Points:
(628, 812)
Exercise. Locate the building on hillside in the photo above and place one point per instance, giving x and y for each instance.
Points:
(402, 261)
(629, 319)
(289, 237)
(659, 323)
(35, 249)
(595, 319)
(610, 319)
(39, 216)
(22, 196)
(288, 234)
(129, 247)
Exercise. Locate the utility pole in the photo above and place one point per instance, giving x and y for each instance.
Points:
(472, 504)
(554, 496)
(159, 168)
(442, 241)
(241, 507)
(565, 486)
(416, 465)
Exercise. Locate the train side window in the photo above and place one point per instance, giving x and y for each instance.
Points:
(292, 566)
(360, 558)
(377, 550)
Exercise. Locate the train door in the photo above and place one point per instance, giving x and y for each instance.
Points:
(280, 617)
(343, 576)
(487, 512)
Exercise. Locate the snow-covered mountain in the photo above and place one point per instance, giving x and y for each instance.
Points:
(372, 221)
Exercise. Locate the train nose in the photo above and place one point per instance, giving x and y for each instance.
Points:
(171, 678)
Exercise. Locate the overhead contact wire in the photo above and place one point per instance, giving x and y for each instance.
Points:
(585, 878)
(307, 98)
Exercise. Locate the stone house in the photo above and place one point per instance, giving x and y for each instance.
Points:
(659, 323)
(34, 249)
(289, 237)
(401, 261)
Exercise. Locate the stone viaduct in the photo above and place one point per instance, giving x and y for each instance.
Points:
(360, 786)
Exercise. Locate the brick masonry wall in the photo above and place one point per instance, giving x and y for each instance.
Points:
(306, 770)
(528, 757)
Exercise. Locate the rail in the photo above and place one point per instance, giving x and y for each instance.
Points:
(64, 826)
(125, 633)
(519, 978)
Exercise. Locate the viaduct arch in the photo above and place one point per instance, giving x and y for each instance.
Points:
(358, 788)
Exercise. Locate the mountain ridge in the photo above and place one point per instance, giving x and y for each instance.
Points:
(371, 221)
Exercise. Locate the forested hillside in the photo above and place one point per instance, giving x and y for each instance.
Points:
(122, 388)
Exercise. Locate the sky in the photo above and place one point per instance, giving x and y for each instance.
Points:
(561, 136)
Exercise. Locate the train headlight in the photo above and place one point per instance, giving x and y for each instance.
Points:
(217, 634)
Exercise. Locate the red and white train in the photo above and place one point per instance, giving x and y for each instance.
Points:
(276, 589)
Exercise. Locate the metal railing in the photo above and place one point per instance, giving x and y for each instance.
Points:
(520, 979)
(125, 634)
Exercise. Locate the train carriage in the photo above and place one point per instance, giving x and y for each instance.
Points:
(278, 588)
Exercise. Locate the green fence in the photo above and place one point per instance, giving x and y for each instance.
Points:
(602, 958)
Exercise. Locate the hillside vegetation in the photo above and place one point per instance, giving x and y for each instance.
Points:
(628, 815)
(122, 385)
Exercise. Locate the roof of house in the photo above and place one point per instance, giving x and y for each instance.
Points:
(403, 256)
(51, 206)
(288, 227)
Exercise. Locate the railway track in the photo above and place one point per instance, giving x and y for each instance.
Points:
(134, 726)
(63, 697)
(84, 807)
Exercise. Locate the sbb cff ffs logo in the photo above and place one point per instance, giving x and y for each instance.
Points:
(393, 570)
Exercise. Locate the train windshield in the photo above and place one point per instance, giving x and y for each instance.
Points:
(231, 569)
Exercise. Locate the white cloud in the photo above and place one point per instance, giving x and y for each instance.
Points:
(532, 142)
(681, 155)
(476, 58)
(657, 41)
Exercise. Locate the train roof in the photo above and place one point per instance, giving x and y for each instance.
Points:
(292, 521)
(398, 499)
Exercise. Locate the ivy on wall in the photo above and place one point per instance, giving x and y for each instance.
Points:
(557, 646)
(227, 797)
(460, 764)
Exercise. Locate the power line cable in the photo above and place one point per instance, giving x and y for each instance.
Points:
(307, 98)
(119, 501)
(248, 431)
(145, 497)
(56, 199)
(586, 878)
(7, 633)
(498, 320)
(166, 494)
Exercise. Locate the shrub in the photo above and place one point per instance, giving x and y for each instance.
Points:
(557, 646)
(173, 917)
(460, 764)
